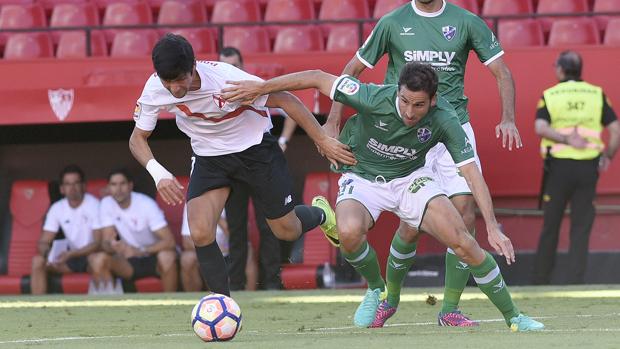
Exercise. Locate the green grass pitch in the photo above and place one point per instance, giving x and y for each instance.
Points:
(576, 317)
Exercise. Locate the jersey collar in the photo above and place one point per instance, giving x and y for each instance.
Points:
(398, 107)
(426, 14)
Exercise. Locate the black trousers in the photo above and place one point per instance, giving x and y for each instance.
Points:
(269, 249)
(571, 181)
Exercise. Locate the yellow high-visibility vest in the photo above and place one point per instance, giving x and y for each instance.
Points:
(574, 104)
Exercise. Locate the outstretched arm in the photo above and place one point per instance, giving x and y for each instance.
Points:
(500, 242)
(507, 128)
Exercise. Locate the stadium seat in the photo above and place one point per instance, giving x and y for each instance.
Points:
(28, 205)
(605, 6)
(174, 214)
(507, 7)
(344, 9)
(383, 7)
(612, 34)
(469, 5)
(22, 16)
(248, 39)
(73, 15)
(571, 32)
(121, 13)
(236, 11)
(344, 38)
(134, 43)
(524, 32)
(48, 5)
(29, 46)
(559, 7)
(97, 187)
(202, 39)
(317, 250)
(299, 39)
(289, 10)
(186, 12)
(73, 45)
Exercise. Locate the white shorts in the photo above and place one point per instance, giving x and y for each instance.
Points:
(406, 197)
(444, 168)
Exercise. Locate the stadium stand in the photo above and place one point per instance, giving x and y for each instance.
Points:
(29, 46)
(298, 39)
(202, 39)
(605, 6)
(571, 32)
(383, 7)
(559, 7)
(507, 7)
(249, 39)
(73, 15)
(287, 11)
(73, 45)
(343, 38)
(186, 12)
(523, 32)
(121, 13)
(234, 11)
(134, 43)
(470, 5)
(612, 35)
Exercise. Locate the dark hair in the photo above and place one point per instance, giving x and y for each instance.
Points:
(122, 171)
(230, 51)
(419, 77)
(172, 57)
(571, 63)
(71, 169)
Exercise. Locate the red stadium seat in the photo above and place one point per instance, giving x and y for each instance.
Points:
(235, 11)
(289, 10)
(317, 250)
(571, 32)
(344, 9)
(469, 5)
(174, 214)
(247, 39)
(97, 187)
(605, 6)
(134, 43)
(73, 45)
(49, 5)
(524, 32)
(299, 39)
(507, 7)
(29, 46)
(383, 7)
(22, 16)
(122, 13)
(344, 38)
(186, 12)
(73, 15)
(202, 39)
(559, 7)
(28, 205)
(612, 34)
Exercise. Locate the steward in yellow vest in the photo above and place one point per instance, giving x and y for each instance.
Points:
(570, 118)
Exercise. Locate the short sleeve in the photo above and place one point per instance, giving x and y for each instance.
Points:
(155, 216)
(542, 112)
(609, 115)
(106, 213)
(483, 41)
(376, 44)
(457, 143)
(350, 91)
(145, 115)
(52, 221)
(95, 222)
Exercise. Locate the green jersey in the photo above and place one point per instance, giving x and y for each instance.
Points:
(442, 39)
(383, 145)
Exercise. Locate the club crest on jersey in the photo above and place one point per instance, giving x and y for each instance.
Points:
(448, 32)
(61, 101)
(348, 86)
(424, 134)
(219, 101)
(137, 111)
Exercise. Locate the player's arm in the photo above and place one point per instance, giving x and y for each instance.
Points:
(108, 235)
(165, 242)
(507, 128)
(45, 242)
(500, 242)
(287, 132)
(167, 185)
(332, 126)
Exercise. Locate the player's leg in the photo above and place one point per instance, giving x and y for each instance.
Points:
(167, 270)
(38, 275)
(99, 264)
(443, 221)
(268, 253)
(251, 269)
(190, 275)
(237, 218)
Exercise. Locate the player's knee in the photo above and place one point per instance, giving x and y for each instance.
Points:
(464, 246)
(38, 262)
(202, 234)
(166, 259)
(98, 261)
(469, 217)
(351, 234)
(188, 260)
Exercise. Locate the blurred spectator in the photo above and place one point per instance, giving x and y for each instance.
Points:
(77, 216)
(136, 238)
(570, 118)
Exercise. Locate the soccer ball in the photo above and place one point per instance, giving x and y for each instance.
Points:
(216, 318)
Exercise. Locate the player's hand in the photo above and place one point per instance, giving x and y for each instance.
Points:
(336, 152)
(62, 258)
(575, 140)
(246, 91)
(509, 133)
(501, 243)
(171, 191)
(604, 162)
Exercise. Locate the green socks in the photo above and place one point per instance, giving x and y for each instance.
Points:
(457, 275)
(491, 283)
(398, 264)
(365, 261)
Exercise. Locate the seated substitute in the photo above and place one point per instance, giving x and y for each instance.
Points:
(77, 215)
(136, 238)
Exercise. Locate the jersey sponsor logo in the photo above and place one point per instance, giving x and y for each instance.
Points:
(61, 101)
(391, 152)
(348, 86)
(424, 134)
(407, 31)
(434, 58)
(448, 32)
(137, 111)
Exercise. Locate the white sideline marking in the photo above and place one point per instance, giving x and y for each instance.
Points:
(333, 330)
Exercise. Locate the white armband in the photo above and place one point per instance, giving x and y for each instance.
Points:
(157, 171)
